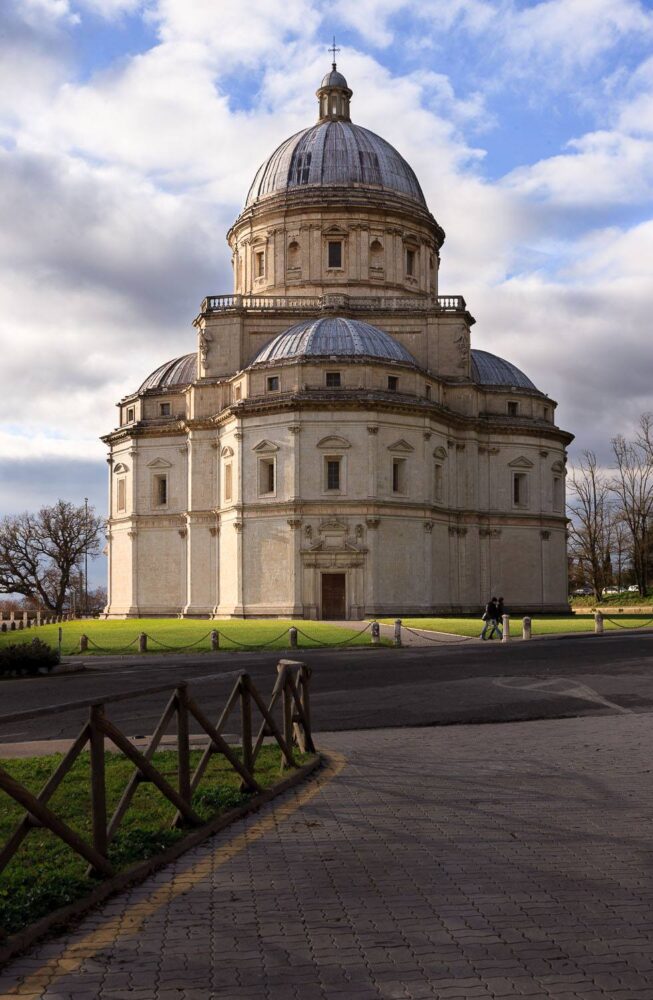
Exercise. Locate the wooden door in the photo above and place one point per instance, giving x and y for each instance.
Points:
(334, 604)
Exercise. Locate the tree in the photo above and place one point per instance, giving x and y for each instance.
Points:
(591, 522)
(39, 552)
(633, 488)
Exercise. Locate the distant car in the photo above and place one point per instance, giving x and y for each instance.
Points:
(611, 590)
(634, 589)
(583, 592)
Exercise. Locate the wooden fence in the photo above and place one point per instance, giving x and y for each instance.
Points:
(290, 694)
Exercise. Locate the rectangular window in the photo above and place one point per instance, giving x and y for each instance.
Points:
(160, 491)
(437, 481)
(546, 412)
(393, 383)
(427, 391)
(333, 380)
(410, 263)
(519, 489)
(228, 481)
(164, 409)
(513, 408)
(333, 473)
(259, 264)
(122, 495)
(273, 383)
(131, 414)
(398, 475)
(557, 493)
(266, 476)
(238, 393)
(335, 253)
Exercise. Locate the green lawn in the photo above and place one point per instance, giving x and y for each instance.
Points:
(165, 634)
(540, 626)
(45, 874)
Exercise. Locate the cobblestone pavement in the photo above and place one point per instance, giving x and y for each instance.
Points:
(453, 863)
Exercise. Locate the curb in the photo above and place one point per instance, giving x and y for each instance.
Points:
(70, 914)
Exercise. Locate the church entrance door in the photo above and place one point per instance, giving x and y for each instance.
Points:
(334, 604)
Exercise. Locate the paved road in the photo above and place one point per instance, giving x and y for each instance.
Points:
(374, 688)
(449, 863)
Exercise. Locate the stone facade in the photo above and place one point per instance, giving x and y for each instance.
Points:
(337, 482)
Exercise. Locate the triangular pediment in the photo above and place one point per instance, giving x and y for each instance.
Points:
(121, 467)
(440, 452)
(335, 231)
(521, 463)
(265, 447)
(159, 463)
(334, 441)
(400, 445)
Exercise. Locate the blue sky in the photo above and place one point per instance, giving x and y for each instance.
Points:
(130, 132)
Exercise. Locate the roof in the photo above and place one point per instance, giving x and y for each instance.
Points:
(490, 369)
(335, 153)
(333, 336)
(178, 372)
(334, 79)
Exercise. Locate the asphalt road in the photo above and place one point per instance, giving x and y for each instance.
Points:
(367, 688)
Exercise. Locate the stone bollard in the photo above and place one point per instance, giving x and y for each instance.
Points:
(376, 633)
(215, 640)
(598, 623)
(526, 628)
(83, 644)
(142, 642)
(398, 632)
(292, 633)
(506, 629)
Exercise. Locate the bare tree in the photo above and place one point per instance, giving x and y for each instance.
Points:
(633, 488)
(591, 520)
(39, 552)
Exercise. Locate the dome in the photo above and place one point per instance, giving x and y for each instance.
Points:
(489, 369)
(178, 372)
(333, 336)
(334, 79)
(333, 154)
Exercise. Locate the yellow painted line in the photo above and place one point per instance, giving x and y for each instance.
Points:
(130, 922)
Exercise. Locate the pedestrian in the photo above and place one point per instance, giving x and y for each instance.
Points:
(489, 617)
(498, 622)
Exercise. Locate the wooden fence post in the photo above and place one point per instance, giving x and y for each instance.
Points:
(286, 695)
(246, 723)
(183, 744)
(98, 780)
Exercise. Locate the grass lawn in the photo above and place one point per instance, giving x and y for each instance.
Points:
(540, 626)
(613, 601)
(45, 874)
(165, 634)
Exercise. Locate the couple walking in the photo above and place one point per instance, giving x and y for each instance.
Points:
(493, 618)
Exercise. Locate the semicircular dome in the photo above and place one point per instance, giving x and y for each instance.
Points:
(490, 369)
(335, 153)
(333, 336)
(178, 372)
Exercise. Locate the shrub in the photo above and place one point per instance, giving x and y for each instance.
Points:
(27, 658)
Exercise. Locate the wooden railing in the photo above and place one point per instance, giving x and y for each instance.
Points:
(290, 692)
(332, 303)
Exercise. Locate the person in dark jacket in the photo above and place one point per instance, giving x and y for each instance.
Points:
(489, 617)
(498, 623)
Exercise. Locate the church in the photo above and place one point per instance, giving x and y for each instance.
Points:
(334, 448)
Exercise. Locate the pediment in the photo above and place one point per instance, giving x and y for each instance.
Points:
(227, 452)
(346, 546)
(121, 467)
(333, 526)
(265, 447)
(334, 441)
(521, 463)
(335, 231)
(440, 452)
(558, 466)
(400, 445)
(159, 463)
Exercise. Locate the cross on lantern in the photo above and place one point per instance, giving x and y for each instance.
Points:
(333, 50)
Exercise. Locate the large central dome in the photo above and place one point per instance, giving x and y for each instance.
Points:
(335, 153)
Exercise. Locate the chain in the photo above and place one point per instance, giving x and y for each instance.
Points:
(190, 645)
(465, 638)
(249, 645)
(619, 625)
(340, 642)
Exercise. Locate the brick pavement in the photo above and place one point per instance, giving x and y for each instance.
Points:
(453, 863)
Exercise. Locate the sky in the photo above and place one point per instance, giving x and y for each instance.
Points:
(130, 131)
